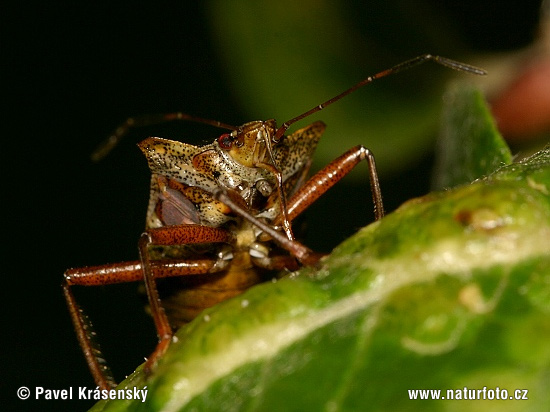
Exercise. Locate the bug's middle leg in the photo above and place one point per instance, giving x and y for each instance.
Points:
(169, 235)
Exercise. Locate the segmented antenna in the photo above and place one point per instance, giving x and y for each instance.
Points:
(455, 65)
(140, 121)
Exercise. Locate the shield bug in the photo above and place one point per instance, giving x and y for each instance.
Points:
(219, 216)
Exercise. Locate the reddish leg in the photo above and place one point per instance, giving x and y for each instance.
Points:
(315, 187)
(169, 235)
(305, 255)
(130, 272)
(331, 174)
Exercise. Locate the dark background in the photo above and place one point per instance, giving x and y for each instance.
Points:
(70, 74)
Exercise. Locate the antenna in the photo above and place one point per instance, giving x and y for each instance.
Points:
(455, 65)
(146, 120)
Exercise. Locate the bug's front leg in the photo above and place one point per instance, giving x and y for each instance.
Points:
(305, 255)
(169, 235)
(331, 174)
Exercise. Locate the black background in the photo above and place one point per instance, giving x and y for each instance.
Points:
(70, 74)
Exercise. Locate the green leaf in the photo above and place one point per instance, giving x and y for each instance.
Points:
(450, 291)
(469, 145)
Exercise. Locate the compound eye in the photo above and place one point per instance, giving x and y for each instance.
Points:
(225, 141)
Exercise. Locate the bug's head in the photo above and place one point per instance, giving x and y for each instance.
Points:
(250, 143)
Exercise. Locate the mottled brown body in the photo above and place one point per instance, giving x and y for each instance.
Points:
(184, 178)
(183, 298)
